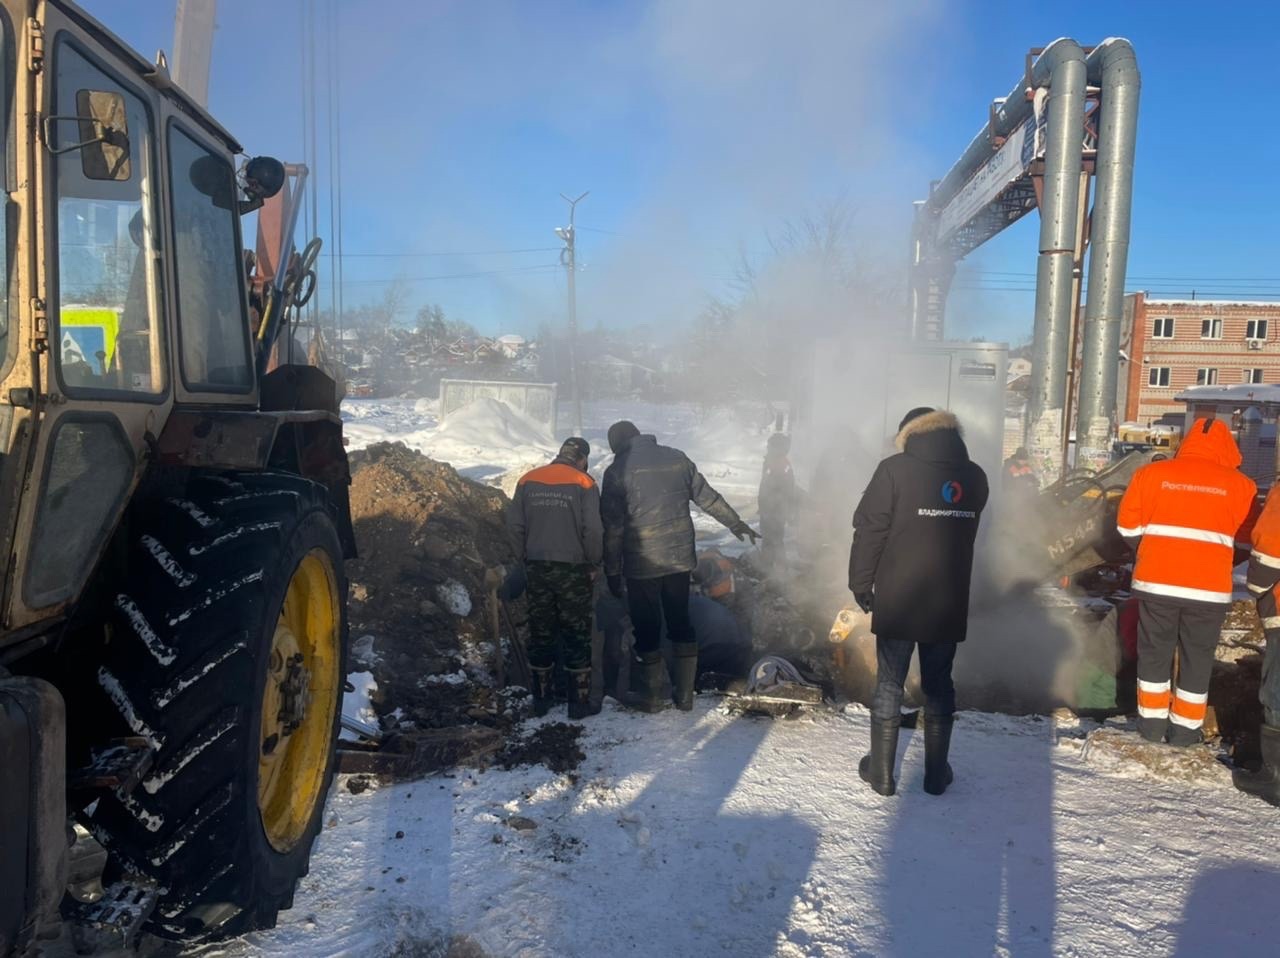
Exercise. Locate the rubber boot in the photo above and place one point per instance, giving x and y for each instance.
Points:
(1265, 782)
(580, 694)
(876, 768)
(937, 743)
(1179, 736)
(684, 667)
(543, 693)
(1153, 730)
(645, 693)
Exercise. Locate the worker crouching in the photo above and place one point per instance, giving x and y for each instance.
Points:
(554, 522)
(1184, 518)
(910, 567)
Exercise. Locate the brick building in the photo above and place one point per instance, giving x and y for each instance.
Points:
(1174, 344)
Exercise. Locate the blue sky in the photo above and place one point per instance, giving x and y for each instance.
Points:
(697, 125)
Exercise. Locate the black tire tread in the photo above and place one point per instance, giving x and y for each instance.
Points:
(186, 642)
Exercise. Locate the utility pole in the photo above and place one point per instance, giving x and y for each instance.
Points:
(567, 234)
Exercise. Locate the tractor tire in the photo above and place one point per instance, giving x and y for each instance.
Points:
(230, 628)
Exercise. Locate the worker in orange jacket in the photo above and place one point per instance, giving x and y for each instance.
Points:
(1184, 518)
(1264, 582)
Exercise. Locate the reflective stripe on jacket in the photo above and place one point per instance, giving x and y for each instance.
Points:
(1186, 516)
(1264, 561)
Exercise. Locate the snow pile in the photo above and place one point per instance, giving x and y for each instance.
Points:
(453, 596)
(485, 440)
(703, 834)
(358, 703)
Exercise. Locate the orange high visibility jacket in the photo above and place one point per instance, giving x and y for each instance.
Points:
(1264, 561)
(1186, 514)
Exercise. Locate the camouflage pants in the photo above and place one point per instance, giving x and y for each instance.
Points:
(559, 598)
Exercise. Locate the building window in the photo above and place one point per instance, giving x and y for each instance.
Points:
(1158, 376)
(1207, 377)
(1256, 329)
(1253, 376)
(1163, 328)
(1210, 329)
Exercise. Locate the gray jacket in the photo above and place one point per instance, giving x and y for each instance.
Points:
(555, 516)
(645, 505)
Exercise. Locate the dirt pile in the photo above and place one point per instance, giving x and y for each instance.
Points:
(420, 608)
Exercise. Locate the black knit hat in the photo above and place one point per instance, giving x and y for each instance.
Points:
(915, 414)
(575, 448)
(620, 435)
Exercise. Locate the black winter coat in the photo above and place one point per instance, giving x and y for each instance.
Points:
(644, 502)
(913, 534)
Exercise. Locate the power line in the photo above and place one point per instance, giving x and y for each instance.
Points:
(481, 252)
(474, 275)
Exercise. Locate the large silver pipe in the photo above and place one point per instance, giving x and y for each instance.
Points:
(1114, 67)
(1007, 116)
(1059, 231)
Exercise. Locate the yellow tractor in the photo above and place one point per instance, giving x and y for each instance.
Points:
(173, 517)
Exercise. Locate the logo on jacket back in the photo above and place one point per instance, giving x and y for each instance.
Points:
(952, 492)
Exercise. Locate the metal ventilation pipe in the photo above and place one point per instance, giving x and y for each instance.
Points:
(1059, 232)
(1008, 115)
(1114, 67)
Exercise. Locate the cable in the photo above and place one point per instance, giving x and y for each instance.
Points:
(314, 162)
(429, 279)
(481, 252)
(333, 252)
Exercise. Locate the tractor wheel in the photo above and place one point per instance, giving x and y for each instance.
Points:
(227, 652)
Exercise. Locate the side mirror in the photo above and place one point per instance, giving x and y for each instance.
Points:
(263, 177)
(103, 128)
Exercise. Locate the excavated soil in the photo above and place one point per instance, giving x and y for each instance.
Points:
(554, 745)
(420, 611)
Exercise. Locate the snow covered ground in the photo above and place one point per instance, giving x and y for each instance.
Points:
(704, 833)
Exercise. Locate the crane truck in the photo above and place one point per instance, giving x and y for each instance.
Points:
(173, 515)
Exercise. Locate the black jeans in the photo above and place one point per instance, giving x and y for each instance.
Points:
(893, 659)
(651, 600)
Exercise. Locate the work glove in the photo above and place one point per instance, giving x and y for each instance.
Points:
(865, 600)
(741, 530)
(615, 585)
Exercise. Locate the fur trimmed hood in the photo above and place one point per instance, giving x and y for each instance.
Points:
(935, 421)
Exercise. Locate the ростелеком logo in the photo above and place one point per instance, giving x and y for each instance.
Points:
(952, 492)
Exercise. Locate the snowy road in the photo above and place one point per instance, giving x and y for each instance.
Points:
(689, 835)
(703, 834)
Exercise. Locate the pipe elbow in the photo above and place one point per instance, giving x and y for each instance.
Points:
(1061, 51)
(1114, 63)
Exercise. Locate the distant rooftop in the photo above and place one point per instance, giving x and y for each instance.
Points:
(1150, 301)
(1243, 394)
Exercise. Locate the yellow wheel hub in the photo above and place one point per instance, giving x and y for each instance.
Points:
(299, 701)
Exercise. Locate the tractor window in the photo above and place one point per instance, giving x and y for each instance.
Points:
(106, 314)
(212, 327)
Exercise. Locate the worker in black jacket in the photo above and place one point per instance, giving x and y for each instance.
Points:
(649, 540)
(910, 565)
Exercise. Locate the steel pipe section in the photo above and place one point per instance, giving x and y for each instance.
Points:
(1113, 67)
(1011, 112)
(1059, 229)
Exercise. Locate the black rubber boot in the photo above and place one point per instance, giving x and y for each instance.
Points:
(543, 693)
(684, 666)
(1265, 782)
(876, 768)
(645, 693)
(580, 694)
(937, 743)
(1153, 730)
